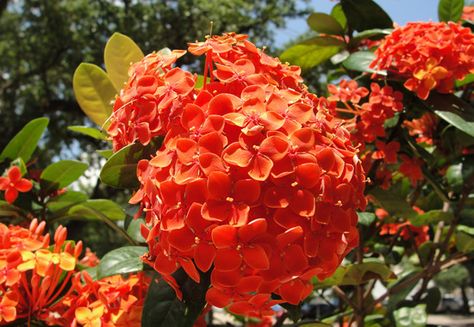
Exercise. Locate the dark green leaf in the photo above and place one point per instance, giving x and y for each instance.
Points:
(324, 23)
(394, 203)
(60, 174)
(360, 62)
(97, 208)
(366, 218)
(324, 41)
(365, 15)
(23, 144)
(450, 10)
(89, 131)
(123, 260)
(464, 242)
(452, 109)
(339, 15)
(431, 217)
(162, 308)
(357, 274)
(308, 56)
(66, 200)
(432, 299)
(120, 170)
(411, 317)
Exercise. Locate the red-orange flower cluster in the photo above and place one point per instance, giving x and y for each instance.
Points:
(33, 274)
(428, 55)
(113, 301)
(254, 180)
(406, 231)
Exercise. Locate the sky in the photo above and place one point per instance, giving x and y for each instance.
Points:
(401, 11)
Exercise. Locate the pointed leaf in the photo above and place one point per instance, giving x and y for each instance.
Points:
(450, 10)
(60, 174)
(94, 92)
(308, 56)
(365, 14)
(339, 15)
(89, 131)
(324, 23)
(360, 62)
(123, 260)
(24, 143)
(96, 208)
(120, 51)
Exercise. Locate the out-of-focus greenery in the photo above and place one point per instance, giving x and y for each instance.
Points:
(43, 41)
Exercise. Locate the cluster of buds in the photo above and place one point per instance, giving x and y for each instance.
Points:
(428, 56)
(254, 181)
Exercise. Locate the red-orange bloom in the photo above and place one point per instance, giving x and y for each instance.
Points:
(14, 183)
(411, 168)
(429, 56)
(255, 180)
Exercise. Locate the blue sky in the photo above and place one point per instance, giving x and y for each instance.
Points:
(401, 11)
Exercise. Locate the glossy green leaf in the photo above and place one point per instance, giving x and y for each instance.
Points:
(366, 218)
(360, 61)
(339, 15)
(365, 15)
(120, 51)
(60, 174)
(89, 131)
(94, 92)
(133, 229)
(24, 143)
(120, 170)
(308, 56)
(431, 217)
(452, 109)
(375, 34)
(411, 317)
(107, 153)
(123, 260)
(66, 200)
(97, 209)
(432, 299)
(450, 10)
(324, 23)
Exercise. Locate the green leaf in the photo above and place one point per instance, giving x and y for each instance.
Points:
(450, 10)
(452, 109)
(9, 210)
(375, 34)
(396, 297)
(394, 202)
(324, 23)
(94, 92)
(357, 274)
(120, 170)
(431, 217)
(89, 131)
(432, 299)
(464, 242)
(60, 174)
(66, 200)
(133, 229)
(411, 317)
(162, 308)
(468, 79)
(365, 15)
(24, 143)
(107, 153)
(120, 51)
(339, 15)
(200, 82)
(360, 61)
(308, 56)
(123, 260)
(366, 218)
(315, 324)
(97, 208)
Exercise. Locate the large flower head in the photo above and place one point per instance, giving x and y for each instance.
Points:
(430, 56)
(255, 180)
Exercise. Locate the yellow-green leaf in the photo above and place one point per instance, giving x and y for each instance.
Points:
(120, 52)
(94, 92)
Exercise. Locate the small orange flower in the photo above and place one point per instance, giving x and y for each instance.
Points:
(14, 183)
